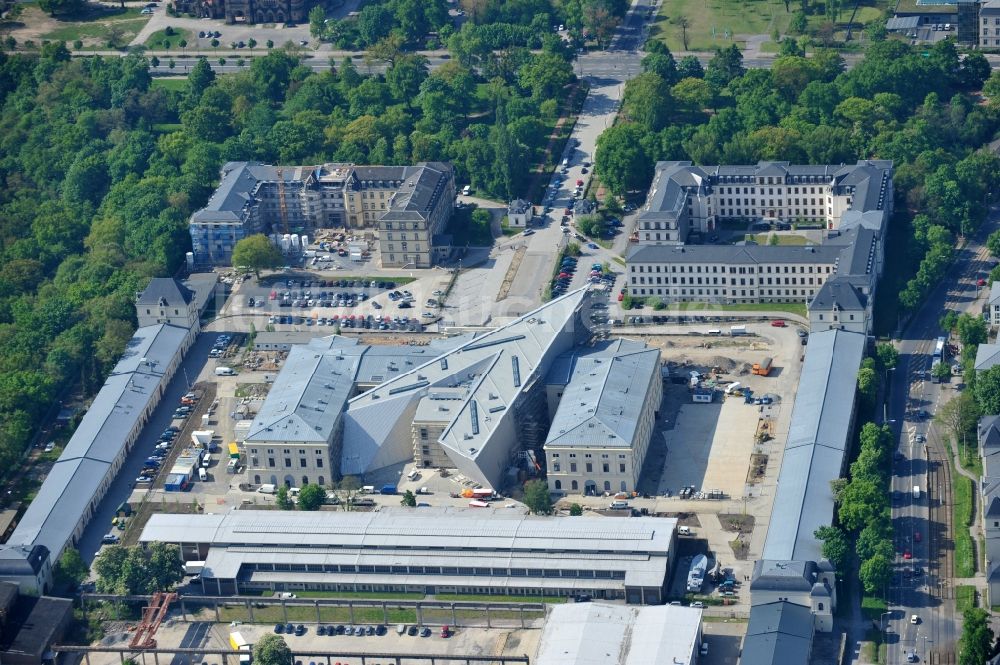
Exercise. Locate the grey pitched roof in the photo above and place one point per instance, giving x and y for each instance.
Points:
(869, 180)
(312, 390)
(89, 457)
(791, 576)
(838, 293)
(987, 356)
(519, 206)
(603, 401)
(166, 291)
(778, 633)
(995, 293)
(817, 442)
(417, 196)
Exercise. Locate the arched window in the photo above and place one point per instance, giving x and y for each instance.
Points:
(575, 485)
(558, 484)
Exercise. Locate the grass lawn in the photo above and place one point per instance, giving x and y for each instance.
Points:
(788, 240)
(97, 26)
(751, 17)
(965, 563)
(445, 597)
(872, 607)
(157, 39)
(965, 597)
(178, 83)
(970, 459)
(791, 307)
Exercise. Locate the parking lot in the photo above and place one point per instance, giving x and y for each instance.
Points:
(301, 300)
(462, 641)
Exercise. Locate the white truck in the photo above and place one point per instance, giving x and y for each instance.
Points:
(201, 438)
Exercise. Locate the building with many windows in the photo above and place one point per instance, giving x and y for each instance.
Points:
(409, 205)
(687, 201)
(427, 550)
(844, 211)
(604, 401)
(479, 403)
(989, 23)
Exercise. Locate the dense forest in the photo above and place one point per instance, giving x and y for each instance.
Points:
(917, 107)
(101, 169)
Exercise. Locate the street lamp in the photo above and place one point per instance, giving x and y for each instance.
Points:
(883, 624)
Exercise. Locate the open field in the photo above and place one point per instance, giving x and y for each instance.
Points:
(710, 22)
(160, 39)
(95, 28)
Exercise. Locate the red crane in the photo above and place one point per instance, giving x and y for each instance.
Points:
(152, 617)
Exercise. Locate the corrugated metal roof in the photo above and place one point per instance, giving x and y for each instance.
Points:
(818, 438)
(429, 536)
(99, 440)
(603, 634)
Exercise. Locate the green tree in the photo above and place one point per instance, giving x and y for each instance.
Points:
(836, 548)
(537, 497)
(948, 320)
(862, 501)
(941, 371)
(272, 649)
(575, 510)
(959, 416)
(282, 500)
(647, 101)
(317, 22)
(311, 496)
(257, 253)
(545, 75)
(70, 570)
(875, 573)
(621, 159)
(867, 384)
(887, 355)
(136, 570)
(987, 391)
(971, 329)
(974, 646)
(409, 499)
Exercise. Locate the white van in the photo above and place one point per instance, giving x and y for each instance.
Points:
(466, 190)
(267, 489)
(202, 474)
(224, 371)
(413, 475)
(206, 461)
(619, 504)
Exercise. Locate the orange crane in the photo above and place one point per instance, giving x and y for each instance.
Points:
(152, 617)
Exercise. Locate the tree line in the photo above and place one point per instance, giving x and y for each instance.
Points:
(101, 170)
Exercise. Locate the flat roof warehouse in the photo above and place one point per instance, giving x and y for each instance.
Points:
(505, 550)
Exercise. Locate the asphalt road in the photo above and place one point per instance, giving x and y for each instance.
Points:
(937, 628)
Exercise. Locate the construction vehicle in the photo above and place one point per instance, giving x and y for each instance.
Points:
(239, 644)
(763, 368)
